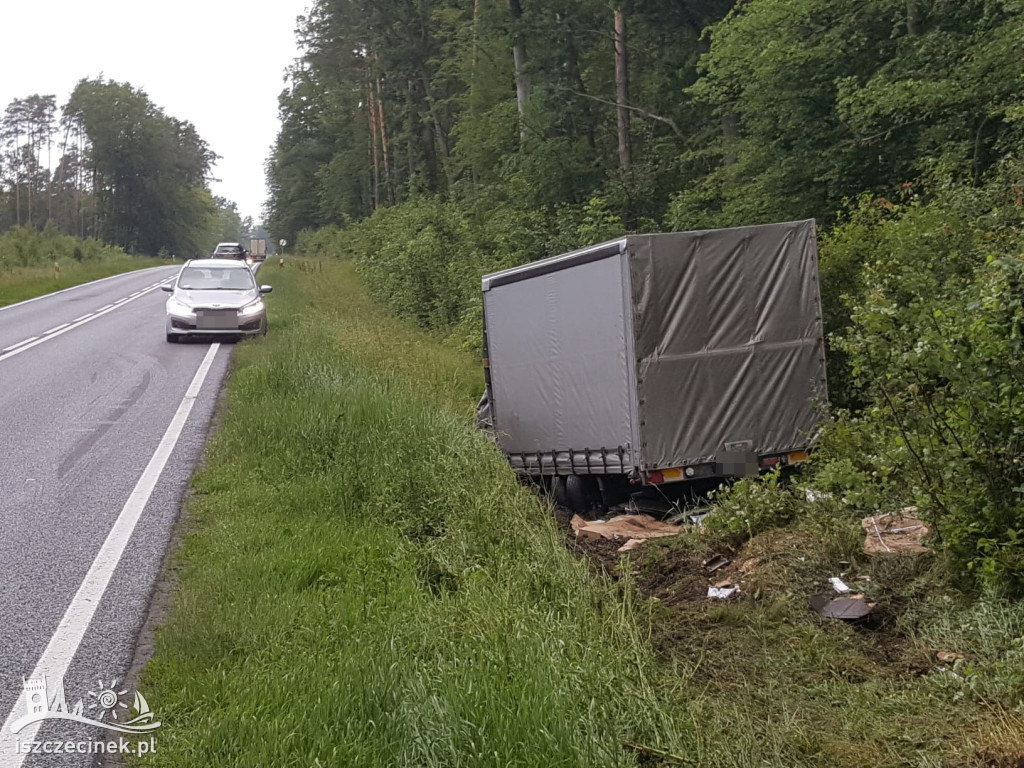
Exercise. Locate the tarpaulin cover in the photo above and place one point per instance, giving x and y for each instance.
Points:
(558, 350)
(673, 346)
(729, 341)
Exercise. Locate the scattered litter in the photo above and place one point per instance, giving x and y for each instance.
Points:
(839, 586)
(844, 564)
(724, 583)
(722, 593)
(895, 533)
(812, 495)
(845, 608)
(865, 577)
(623, 527)
(802, 559)
(630, 545)
(949, 657)
(697, 519)
(716, 562)
(748, 566)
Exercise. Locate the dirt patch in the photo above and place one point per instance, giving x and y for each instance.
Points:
(775, 571)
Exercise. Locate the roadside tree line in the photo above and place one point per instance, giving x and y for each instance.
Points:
(110, 165)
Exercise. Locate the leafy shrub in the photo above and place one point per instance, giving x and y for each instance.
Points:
(752, 505)
(932, 348)
(27, 247)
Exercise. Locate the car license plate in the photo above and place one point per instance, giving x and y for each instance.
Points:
(216, 320)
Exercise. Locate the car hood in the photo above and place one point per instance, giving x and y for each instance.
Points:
(216, 299)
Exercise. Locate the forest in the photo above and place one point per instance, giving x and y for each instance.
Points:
(433, 141)
(110, 166)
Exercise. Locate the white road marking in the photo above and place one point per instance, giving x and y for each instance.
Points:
(68, 636)
(73, 288)
(87, 314)
(52, 330)
(19, 344)
(19, 348)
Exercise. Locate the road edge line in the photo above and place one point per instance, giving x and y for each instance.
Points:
(70, 631)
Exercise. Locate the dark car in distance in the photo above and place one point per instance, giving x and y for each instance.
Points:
(229, 251)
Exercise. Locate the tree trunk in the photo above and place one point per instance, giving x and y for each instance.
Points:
(730, 133)
(384, 141)
(913, 19)
(572, 66)
(519, 67)
(622, 88)
(17, 183)
(440, 134)
(371, 113)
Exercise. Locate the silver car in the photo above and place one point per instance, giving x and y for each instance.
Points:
(215, 297)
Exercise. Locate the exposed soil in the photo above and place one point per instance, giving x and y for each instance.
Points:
(781, 567)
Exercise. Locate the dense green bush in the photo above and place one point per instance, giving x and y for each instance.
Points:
(925, 305)
(25, 247)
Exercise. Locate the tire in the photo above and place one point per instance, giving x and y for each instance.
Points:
(576, 493)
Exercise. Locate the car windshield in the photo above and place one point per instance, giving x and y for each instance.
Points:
(215, 279)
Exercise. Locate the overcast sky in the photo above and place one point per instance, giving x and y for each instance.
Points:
(217, 63)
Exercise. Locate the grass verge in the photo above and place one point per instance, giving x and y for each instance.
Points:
(364, 583)
(21, 283)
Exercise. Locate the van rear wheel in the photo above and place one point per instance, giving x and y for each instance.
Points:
(577, 493)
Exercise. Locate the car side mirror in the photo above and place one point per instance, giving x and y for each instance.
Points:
(167, 287)
(266, 288)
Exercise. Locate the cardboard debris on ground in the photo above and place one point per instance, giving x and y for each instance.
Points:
(623, 527)
(895, 533)
(630, 545)
(844, 608)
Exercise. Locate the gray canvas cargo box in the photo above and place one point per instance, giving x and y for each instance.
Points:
(685, 352)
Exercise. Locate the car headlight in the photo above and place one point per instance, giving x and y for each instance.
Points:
(180, 308)
(252, 308)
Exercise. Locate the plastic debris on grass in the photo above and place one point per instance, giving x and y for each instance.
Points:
(716, 562)
(722, 593)
(847, 608)
(839, 585)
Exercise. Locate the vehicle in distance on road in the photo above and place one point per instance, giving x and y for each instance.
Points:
(258, 249)
(215, 297)
(229, 251)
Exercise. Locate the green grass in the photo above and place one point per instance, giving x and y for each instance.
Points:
(21, 283)
(363, 582)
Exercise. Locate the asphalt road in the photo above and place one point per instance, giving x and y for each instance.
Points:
(101, 424)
